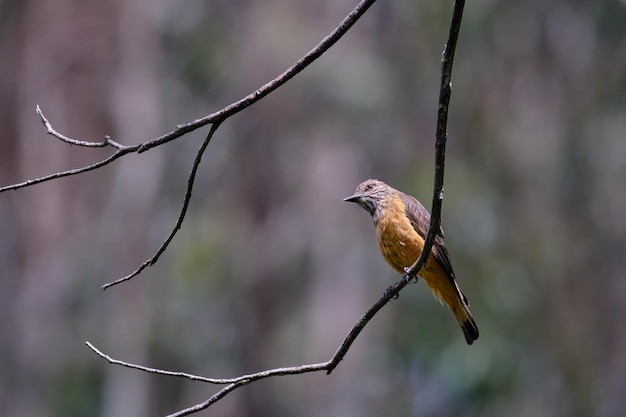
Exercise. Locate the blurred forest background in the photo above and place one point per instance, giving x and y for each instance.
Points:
(271, 268)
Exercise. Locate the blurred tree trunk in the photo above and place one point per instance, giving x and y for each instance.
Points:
(91, 66)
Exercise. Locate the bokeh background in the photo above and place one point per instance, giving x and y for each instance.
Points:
(271, 268)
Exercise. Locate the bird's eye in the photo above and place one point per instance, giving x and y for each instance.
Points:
(369, 186)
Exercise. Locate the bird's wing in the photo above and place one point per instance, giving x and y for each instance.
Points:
(420, 220)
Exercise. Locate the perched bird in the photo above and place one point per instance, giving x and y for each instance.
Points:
(401, 227)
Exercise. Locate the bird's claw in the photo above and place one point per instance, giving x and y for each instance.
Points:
(407, 278)
(406, 275)
(388, 292)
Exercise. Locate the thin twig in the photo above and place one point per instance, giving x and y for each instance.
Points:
(68, 173)
(233, 383)
(251, 378)
(292, 370)
(445, 92)
(215, 118)
(50, 130)
(221, 115)
(121, 151)
(181, 216)
(156, 371)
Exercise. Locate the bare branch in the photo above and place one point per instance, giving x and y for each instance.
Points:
(233, 383)
(50, 130)
(121, 151)
(288, 74)
(68, 173)
(213, 399)
(215, 119)
(181, 216)
(445, 92)
(246, 379)
(218, 117)
(155, 371)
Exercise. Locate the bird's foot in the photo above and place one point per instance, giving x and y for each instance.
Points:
(407, 278)
(387, 294)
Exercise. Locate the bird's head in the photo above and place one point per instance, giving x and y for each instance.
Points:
(370, 194)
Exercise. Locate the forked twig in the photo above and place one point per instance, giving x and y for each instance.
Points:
(215, 119)
(221, 115)
(121, 151)
(50, 130)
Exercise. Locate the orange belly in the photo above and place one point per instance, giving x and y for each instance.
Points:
(401, 245)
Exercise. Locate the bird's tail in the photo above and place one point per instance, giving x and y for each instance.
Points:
(460, 310)
(459, 307)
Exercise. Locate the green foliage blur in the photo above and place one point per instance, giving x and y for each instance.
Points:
(271, 268)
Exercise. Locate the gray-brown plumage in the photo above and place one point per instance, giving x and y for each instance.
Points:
(401, 227)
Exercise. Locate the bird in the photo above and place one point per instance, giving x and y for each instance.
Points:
(402, 223)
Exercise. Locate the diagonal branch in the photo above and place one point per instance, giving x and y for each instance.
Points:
(288, 74)
(50, 130)
(67, 173)
(121, 151)
(216, 117)
(181, 216)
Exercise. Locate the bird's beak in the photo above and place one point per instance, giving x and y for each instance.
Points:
(353, 199)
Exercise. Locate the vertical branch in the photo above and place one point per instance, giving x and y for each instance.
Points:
(435, 219)
(445, 91)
